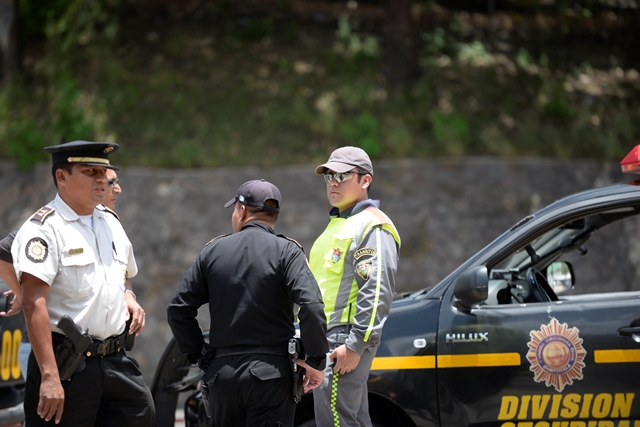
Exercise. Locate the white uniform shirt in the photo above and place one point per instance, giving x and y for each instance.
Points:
(86, 268)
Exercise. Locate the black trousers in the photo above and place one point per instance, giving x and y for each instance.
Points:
(251, 390)
(109, 391)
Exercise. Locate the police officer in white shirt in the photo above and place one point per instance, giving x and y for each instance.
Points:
(74, 259)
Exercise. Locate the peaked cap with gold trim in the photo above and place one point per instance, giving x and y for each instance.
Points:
(83, 152)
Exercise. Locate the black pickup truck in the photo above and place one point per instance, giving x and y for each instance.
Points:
(519, 335)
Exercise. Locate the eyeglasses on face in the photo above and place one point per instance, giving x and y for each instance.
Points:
(113, 181)
(340, 177)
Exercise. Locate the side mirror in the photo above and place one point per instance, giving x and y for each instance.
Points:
(560, 276)
(471, 287)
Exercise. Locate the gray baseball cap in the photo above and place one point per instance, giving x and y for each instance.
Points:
(346, 158)
(255, 193)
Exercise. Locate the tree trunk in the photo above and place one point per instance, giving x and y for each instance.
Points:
(9, 55)
(400, 62)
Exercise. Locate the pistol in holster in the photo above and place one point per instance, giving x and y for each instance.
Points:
(296, 351)
(70, 354)
(129, 338)
(204, 388)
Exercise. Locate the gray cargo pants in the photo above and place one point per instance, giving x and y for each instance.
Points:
(341, 400)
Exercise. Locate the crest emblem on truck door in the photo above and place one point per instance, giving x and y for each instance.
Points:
(556, 355)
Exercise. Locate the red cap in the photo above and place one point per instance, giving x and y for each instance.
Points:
(631, 163)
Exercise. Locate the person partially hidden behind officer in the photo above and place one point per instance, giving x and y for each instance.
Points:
(354, 261)
(251, 280)
(72, 261)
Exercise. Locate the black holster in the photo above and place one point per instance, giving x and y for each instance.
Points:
(296, 351)
(69, 362)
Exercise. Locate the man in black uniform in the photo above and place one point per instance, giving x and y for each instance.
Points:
(251, 280)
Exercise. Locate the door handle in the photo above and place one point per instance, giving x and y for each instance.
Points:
(630, 331)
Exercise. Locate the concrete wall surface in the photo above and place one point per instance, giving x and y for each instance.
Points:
(445, 210)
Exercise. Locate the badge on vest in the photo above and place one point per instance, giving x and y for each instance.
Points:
(76, 251)
(364, 269)
(336, 255)
(37, 250)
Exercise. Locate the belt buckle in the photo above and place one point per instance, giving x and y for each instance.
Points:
(103, 348)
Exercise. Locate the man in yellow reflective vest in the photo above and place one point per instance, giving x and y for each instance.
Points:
(354, 261)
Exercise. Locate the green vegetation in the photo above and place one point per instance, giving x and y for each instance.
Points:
(275, 91)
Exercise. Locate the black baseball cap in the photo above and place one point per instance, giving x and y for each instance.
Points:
(255, 193)
(84, 153)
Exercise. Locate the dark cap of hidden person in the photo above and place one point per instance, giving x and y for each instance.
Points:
(255, 193)
(344, 159)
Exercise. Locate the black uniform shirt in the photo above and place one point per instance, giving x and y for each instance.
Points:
(251, 279)
(5, 247)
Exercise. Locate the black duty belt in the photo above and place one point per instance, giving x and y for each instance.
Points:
(98, 347)
(237, 350)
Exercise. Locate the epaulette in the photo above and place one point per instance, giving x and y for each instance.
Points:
(215, 238)
(104, 208)
(292, 240)
(42, 214)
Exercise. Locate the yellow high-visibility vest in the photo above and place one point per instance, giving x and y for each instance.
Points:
(327, 261)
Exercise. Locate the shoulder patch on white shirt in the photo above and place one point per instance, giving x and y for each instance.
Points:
(103, 208)
(37, 250)
(42, 214)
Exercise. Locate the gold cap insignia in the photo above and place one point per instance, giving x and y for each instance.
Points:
(108, 150)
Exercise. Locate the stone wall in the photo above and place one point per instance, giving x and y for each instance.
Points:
(445, 210)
